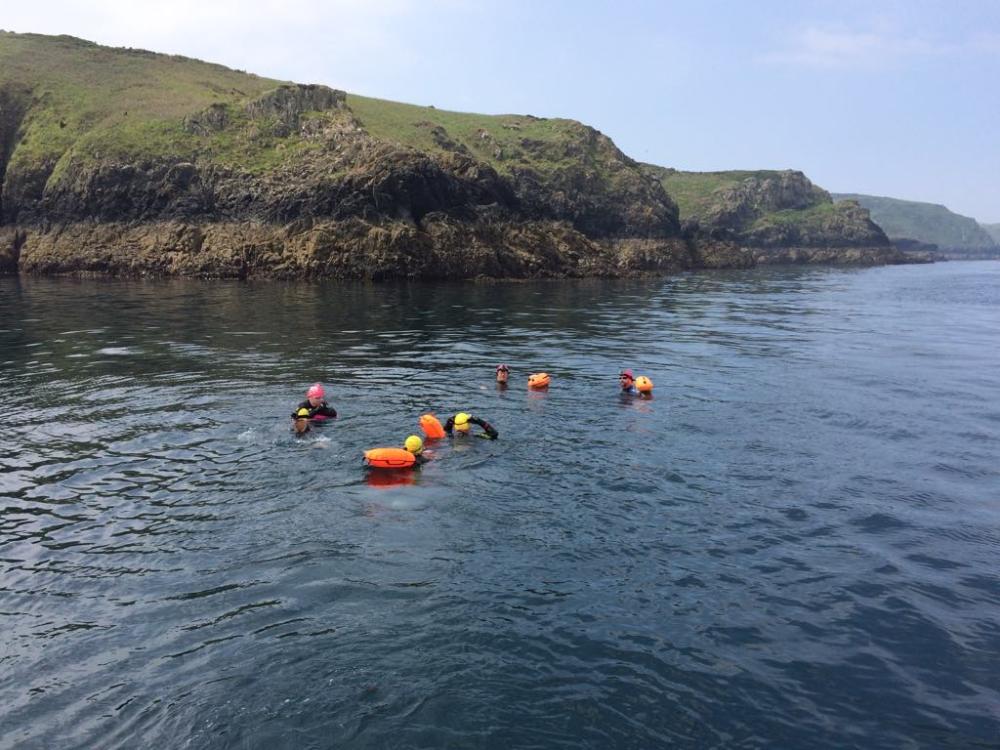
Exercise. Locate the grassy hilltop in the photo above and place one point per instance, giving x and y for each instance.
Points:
(99, 103)
(90, 101)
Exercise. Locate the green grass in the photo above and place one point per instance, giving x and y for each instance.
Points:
(93, 103)
(503, 141)
(813, 216)
(101, 103)
(693, 191)
(95, 83)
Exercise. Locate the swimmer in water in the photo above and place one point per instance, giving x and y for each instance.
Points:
(415, 445)
(502, 373)
(315, 405)
(461, 422)
(301, 422)
(627, 382)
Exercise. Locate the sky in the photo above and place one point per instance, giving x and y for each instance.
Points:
(892, 97)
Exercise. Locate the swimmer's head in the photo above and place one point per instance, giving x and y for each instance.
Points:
(414, 444)
(462, 422)
(301, 423)
(315, 394)
(502, 372)
(626, 378)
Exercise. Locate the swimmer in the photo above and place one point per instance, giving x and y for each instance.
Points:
(460, 423)
(315, 405)
(301, 423)
(415, 445)
(627, 382)
(502, 372)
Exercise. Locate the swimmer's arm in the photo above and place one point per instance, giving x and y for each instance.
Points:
(324, 410)
(490, 430)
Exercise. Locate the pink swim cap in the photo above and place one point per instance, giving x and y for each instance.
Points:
(628, 374)
(315, 391)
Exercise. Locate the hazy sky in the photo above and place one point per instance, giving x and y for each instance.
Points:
(898, 98)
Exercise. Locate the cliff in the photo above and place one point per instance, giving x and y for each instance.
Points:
(928, 224)
(993, 230)
(121, 161)
(780, 215)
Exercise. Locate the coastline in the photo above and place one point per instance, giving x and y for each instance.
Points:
(441, 248)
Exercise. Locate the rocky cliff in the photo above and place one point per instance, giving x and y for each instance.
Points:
(781, 216)
(119, 161)
(927, 224)
(993, 230)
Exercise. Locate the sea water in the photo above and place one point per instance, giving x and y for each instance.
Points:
(792, 544)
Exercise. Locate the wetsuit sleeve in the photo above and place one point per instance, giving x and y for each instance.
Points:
(324, 410)
(449, 425)
(489, 429)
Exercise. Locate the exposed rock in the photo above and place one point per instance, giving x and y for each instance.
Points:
(736, 207)
(289, 102)
(834, 256)
(780, 210)
(914, 246)
(11, 242)
(213, 119)
(14, 101)
(712, 253)
(355, 249)
(827, 225)
(442, 140)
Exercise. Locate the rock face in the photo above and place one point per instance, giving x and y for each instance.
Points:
(14, 102)
(218, 173)
(781, 216)
(737, 207)
(445, 248)
(822, 226)
(928, 224)
(993, 230)
(356, 208)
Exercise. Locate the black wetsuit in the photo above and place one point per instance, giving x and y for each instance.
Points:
(489, 429)
(323, 410)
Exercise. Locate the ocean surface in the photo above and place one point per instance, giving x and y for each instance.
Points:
(793, 544)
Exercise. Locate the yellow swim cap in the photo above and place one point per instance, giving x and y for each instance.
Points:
(303, 412)
(461, 421)
(414, 444)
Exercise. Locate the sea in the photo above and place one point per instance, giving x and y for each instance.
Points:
(793, 542)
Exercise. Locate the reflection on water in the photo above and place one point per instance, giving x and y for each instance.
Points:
(791, 544)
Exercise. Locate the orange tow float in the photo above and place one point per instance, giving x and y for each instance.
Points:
(431, 426)
(539, 380)
(389, 458)
(643, 384)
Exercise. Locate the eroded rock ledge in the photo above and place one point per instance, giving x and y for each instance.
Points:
(443, 248)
